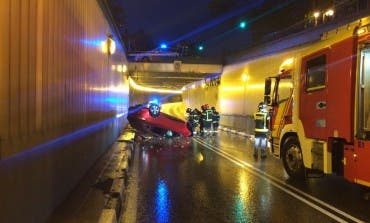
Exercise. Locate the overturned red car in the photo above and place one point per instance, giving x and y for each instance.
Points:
(148, 119)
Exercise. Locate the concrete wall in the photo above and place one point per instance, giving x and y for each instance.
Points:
(197, 95)
(61, 102)
(239, 91)
(177, 66)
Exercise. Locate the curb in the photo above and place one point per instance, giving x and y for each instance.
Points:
(236, 132)
(116, 173)
(108, 216)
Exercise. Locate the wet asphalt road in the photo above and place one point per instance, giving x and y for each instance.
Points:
(216, 179)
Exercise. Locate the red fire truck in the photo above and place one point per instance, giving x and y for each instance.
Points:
(320, 105)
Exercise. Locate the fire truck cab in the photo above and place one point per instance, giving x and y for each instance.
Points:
(320, 105)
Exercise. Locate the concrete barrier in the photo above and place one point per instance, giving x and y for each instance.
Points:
(108, 216)
(117, 172)
(117, 188)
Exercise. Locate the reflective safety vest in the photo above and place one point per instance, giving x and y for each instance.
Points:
(209, 114)
(261, 120)
(194, 116)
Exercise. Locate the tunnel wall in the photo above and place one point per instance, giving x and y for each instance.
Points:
(63, 101)
(235, 97)
(195, 97)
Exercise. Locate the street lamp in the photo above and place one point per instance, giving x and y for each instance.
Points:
(244, 79)
(328, 14)
(108, 46)
(316, 17)
(203, 85)
(122, 68)
(243, 24)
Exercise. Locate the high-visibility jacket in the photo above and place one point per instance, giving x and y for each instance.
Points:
(207, 118)
(261, 120)
(194, 116)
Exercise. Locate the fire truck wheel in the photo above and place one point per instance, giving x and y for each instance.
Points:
(293, 159)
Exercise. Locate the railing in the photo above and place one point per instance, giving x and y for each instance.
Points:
(240, 123)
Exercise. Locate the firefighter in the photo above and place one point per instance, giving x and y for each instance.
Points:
(195, 116)
(188, 112)
(261, 130)
(201, 120)
(206, 119)
(190, 120)
(215, 120)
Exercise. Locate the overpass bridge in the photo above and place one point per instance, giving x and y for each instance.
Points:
(171, 76)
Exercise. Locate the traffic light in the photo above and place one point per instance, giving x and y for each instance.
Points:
(200, 48)
(243, 24)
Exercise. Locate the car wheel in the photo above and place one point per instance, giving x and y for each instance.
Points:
(169, 133)
(154, 110)
(293, 158)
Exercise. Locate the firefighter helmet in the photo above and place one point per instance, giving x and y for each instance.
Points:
(262, 106)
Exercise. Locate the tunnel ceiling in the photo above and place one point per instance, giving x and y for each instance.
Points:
(168, 80)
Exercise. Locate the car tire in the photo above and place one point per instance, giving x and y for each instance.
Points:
(154, 110)
(293, 158)
(169, 133)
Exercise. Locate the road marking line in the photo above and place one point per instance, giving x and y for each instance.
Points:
(271, 179)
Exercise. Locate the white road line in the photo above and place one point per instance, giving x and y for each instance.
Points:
(257, 172)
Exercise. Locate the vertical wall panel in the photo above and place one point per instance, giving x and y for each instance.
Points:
(52, 73)
(4, 72)
(56, 79)
(57, 59)
(63, 60)
(24, 72)
(39, 65)
(52, 85)
(31, 103)
(51, 68)
(61, 39)
(45, 63)
(14, 96)
(67, 73)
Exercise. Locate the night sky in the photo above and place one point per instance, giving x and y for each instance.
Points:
(166, 20)
(173, 21)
